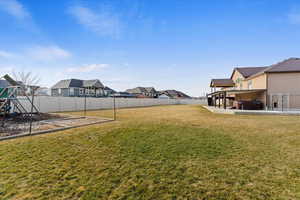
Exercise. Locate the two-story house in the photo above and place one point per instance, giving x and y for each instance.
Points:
(143, 92)
(275, 86)
(78, 88)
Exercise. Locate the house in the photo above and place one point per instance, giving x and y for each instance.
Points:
(123, 95)
(174, 94)
(42, 91)
(108, 91)
(163, 96)
(21, 90)
(78, 88)
(275, 87)
(143, 92)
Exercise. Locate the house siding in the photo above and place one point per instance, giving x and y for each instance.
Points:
(285, 83)
(283, 88)
(258, 82)
(239, 80)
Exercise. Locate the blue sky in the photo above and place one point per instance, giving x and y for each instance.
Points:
(168, 44)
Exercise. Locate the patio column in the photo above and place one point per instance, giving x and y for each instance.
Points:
(215, 100)
(219, 98)
(224, 100)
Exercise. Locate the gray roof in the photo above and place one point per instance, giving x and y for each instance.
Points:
(174, 94)
(93, 83)
(249, 71)
(222, 83)
(140, 90)
(150, 89)
(289, 65)
(76, 83)
(109, 89)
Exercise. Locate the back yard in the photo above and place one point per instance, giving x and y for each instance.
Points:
(164, 152)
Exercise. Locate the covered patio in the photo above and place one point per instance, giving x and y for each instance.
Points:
(225, 98)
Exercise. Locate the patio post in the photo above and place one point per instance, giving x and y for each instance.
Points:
(224, 100)
(219, 98)
(215, 100)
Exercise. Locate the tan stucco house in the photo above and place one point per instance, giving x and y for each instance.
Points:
(276, 86)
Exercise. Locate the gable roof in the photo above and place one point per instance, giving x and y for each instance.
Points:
(174, 94)
(221, 83)
(288, 65)
(140, 90)
(109, 89)
(78, 83)
(68, 83)
(150, 89)
(136, 90)
(248, 71)
(93, 83)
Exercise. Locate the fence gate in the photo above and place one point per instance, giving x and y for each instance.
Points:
(275, 102)
(285, 102)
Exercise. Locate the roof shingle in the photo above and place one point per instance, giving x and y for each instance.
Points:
(289, 65)
(76, 83)
(222, 83)
(249, 71)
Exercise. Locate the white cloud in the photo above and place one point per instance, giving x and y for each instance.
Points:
(14, 8)
(47, 53)
(103, 22)
(87, 68)
(5, 54)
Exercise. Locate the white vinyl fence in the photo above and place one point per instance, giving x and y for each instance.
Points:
(59, 104)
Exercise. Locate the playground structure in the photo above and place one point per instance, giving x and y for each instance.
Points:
(11, 108)
(20, 117)
(9, 102)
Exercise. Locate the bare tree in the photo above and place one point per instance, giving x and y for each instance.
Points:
(27, 78)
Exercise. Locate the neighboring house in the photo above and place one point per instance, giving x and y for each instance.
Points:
(163, 96)
(22, 90)
(42, 91)
(123, 95)
(275, 86)
(143, 92)
(78, 88)
(174, 94)
(108, 91)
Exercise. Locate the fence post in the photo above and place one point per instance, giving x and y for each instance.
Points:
(84, 109)
(282, 103)
(31, 112)
(115, 116)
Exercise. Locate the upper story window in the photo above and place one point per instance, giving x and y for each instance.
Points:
(250, 84)
(239, 83)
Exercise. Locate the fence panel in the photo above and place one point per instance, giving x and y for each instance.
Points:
(60, 104)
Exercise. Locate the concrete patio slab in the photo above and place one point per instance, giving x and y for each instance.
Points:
(251, 112)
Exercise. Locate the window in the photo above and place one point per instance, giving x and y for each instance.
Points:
(239, 82)
(250, 84)
(71, 91)
(81, 91)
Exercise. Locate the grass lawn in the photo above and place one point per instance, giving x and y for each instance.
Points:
(164, 152)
